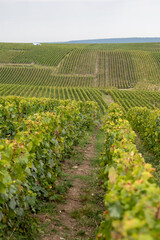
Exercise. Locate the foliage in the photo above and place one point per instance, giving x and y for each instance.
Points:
(147, 124)
(79, 61)
(39, 76)
(76, 65)
(44, 54)
(31, 161)
(132, 198)
(15, 109)
(135, 98)
(78, 94)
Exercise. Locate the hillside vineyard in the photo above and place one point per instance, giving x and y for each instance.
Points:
(82, 72)
(76, 118)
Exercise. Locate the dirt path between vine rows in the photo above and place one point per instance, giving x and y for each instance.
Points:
(72, 218)
(96, 72)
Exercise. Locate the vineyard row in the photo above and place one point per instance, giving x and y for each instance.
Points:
(129, 99)
(89, 68)
(78, 94)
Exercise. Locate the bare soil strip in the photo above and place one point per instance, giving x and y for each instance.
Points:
(107, 98)
(126, 89)
(17, 64)
(72, 218)
(96, 72)
(107, 78)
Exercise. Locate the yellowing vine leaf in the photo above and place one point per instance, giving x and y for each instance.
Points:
(112, 175)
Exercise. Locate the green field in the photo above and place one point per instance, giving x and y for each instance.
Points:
(82, 72)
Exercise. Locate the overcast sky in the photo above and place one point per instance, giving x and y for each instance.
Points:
(63, 20)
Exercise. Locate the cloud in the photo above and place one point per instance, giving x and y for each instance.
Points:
(32, 1)
(74, 1)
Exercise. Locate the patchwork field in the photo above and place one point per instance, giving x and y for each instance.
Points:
(47, 70)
